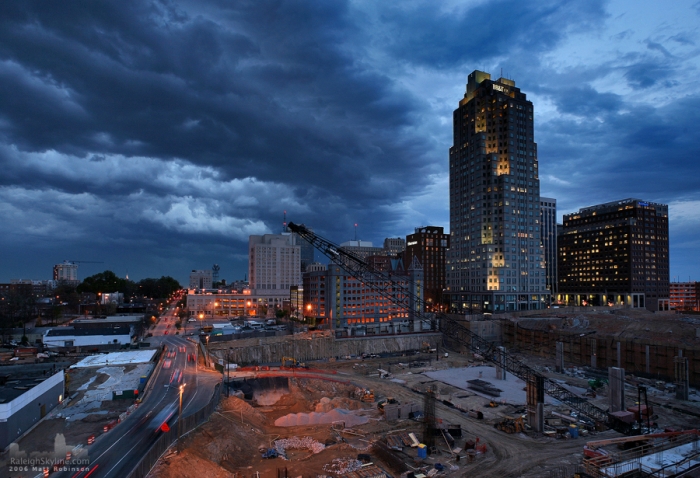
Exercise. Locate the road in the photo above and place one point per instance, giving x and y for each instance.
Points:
(116, 453)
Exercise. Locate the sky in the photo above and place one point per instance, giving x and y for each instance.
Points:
(153, 137)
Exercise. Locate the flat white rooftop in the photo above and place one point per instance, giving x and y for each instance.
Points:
(116, 358)
(511, 389)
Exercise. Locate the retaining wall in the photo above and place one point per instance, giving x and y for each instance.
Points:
(305, 347)
(641, 357)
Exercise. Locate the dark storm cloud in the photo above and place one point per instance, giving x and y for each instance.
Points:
(645, 74)
(622, 152)
(161, 134)
(425, 34)
(267, 92)
(585, 101)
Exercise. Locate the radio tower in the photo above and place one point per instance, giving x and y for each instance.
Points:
(284, 223)
(215, 273)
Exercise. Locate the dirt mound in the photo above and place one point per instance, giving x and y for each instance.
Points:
(327, 404)
(238, 407)
(315, 389)
(314, 418)
(183, 466)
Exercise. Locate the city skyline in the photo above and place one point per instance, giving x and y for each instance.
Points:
(156, 138)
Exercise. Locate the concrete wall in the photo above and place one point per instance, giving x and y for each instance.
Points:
(19, 415)
(305, 347)
(641, 357)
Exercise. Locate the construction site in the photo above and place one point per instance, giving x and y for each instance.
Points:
(437, 407)
(562, 392)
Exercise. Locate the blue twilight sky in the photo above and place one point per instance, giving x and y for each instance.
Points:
(156, 136)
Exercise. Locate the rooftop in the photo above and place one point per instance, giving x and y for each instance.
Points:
(117, 358)
(111, 319)
(15, 380)
(72, 331)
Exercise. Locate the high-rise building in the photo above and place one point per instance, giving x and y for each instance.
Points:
(685, 296)
(201, 279)
(362, 249)
(496, 259)
(347, 304)
(66, 272)
(274, 266)
(549, 241)
(615, 254)
(393, 246)
(306, 250)
(429, 245)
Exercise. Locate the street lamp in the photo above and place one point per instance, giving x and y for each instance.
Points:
(179, 419)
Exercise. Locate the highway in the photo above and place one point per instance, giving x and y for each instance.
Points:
(116, 453)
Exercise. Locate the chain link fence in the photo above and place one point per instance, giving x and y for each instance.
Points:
(166, 440)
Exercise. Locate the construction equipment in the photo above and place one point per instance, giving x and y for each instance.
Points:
(510, 425)
(453, 329)
(492, 404)
(386, 401)
(270, 453)
(292, 362)
(365, 395)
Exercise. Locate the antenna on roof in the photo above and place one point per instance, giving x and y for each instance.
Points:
(284, 223)
(355, 231)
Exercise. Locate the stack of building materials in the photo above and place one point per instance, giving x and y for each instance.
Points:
(343, 466)
(368, 471)
(484, 387)
(296, 443)
(399, 440)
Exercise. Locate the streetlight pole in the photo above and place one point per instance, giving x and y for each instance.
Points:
(179, 419)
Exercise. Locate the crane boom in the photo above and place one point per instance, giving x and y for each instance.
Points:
(450, 327)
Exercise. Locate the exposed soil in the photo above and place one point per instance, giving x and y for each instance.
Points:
(230, 444)
(233, 437)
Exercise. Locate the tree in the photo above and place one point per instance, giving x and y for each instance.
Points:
(106, 281)
(17, 307)
(158, 288)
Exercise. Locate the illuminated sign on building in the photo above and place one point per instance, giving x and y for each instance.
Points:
(500, 88)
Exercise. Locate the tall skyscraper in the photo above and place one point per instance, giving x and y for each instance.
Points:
(305, 247)
(429, 244)
(616, 254)
(274, 265)
(496, 258)
(549, 241)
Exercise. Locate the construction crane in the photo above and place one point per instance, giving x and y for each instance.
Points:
(86, 262)
(362, 271)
